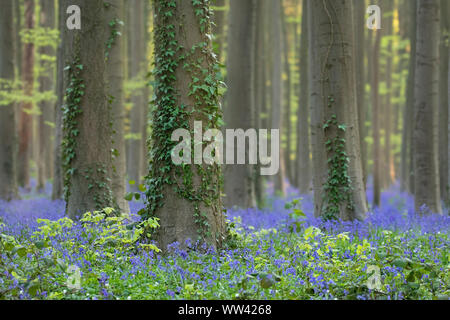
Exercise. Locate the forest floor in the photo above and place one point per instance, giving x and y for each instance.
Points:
(275, 253)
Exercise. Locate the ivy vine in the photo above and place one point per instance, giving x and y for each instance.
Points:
(338, 187)
(71, 111)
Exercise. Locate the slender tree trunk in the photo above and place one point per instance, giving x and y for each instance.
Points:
(358, 17)
(58, 184)
(46, 85)
(287, 101)
(146, 90)
(238, 113)
(87, 115)
(115, 75)
(303, 173)
(277, 88)
(376, 120)
(186, 198)
(136, 56)
(388, 173)
(259, 88)
(407, 180)
(338, 180)
(8, 183)
(25, 121)
(426, 169)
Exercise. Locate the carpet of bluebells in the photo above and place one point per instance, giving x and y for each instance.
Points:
(281, 252)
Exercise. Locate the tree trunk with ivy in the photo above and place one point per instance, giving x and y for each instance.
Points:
(115, 75)
(426, 167)
(238, 114)
(8, 183)
(338, 180)
(186, 197)
(87, 141)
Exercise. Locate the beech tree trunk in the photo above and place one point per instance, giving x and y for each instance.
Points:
(25, 120)
(8, 183)
(287, 101)
(239, 187)
(136, 71)
(58, 184)
(303, 172)
(259, 79)
(443, 100)
(187, 202)
(277, 89)
(89, 163)
(46, 107)
(388, 170)
(376, 119)
(407, 173)
(337, 170)
(115, 75)
(358, 16)
(426, 168)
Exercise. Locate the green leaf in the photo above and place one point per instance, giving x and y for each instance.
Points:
(400, 262)
(40, 245)
(129, 196)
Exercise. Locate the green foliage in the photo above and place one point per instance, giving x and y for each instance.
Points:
(263, 264)
(37, 265)
(297, 214)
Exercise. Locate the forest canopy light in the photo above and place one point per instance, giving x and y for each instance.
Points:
(213, 153)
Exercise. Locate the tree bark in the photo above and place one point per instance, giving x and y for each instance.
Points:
(426, 169)
(115, 75)
(46, 85)
(187, 202)
(388, 170)
(261, 61)
(287, 100)
(25, 121)
(58, 184)
(358, 17)
(303, 172)
(337, 170)
(8, 182)
(136, 55)
(277, 89)
(239, 187)
(88, 161)
(407, 173)
(443, 100)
